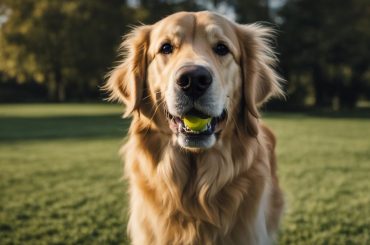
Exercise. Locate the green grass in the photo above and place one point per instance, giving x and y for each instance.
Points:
(60, 176)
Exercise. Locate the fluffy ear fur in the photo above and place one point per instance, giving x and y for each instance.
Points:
(257, 61)
(126, 81)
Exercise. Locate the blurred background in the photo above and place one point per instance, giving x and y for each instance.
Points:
(60, 174)
(57, 51)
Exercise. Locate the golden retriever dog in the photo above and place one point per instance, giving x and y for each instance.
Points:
(200, 164)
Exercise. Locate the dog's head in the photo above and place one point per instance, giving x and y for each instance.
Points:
(196, 76)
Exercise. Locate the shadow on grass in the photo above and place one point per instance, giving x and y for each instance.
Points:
(360, 113)
(63, 127)
(113, 126)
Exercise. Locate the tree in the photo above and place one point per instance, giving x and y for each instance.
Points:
(248, 11)
(150, 11)
(328, 42)
(61, 43)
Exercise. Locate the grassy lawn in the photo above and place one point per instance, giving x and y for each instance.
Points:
(60, 176)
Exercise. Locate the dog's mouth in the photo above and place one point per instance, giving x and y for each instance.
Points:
(196, 129)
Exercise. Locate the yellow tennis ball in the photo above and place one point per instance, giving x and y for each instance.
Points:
(196, 123)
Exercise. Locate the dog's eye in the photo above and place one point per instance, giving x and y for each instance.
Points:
(221, 49)
(166, 48)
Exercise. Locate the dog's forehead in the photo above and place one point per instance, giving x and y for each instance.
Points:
(185, 24)
(170, 24)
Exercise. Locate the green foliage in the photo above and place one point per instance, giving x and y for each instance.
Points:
(62, 43)
(150, 11)
(328, 40)
(60, 176)
(252, 10)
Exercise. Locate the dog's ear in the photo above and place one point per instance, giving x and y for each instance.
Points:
(259, 79)
(126, 81)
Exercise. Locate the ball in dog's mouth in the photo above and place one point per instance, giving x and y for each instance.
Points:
(196, 130)
(197, 124)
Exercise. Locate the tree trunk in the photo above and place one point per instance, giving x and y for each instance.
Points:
(51, 89)
(266, 8)
(349, 95)
(61, 96)
(60, 86)
(322, 99)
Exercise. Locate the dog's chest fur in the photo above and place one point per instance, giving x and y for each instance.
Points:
(217, 197)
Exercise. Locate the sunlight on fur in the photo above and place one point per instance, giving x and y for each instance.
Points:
(218, 185)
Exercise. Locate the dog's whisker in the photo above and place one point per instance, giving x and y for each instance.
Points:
(157, 106)
(146, 97)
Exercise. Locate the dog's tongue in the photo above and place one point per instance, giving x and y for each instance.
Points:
(196, 123)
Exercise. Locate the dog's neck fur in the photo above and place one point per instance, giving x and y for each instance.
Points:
(201, 194)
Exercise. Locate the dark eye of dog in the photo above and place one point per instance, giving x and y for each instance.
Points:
(221, 49)
(166, 48)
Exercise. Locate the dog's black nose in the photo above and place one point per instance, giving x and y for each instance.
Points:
(193, 80)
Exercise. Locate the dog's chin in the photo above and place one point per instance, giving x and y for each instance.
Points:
(197, 140)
